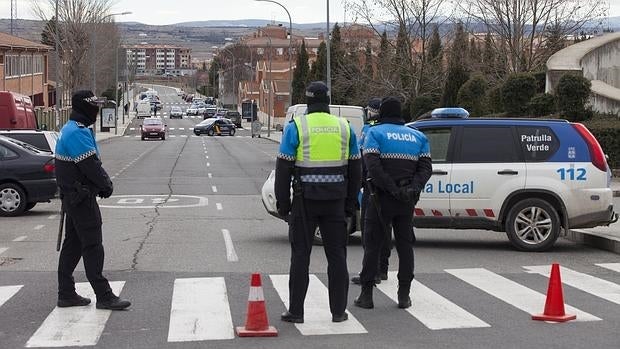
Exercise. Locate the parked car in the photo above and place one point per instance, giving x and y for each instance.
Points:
(153, 128)
(44, 140)
(210, 112)
(176, 112)
(192, 110)
(234, 116)
(27, 176)
(529, 178)
(16, 111)
(211, 125)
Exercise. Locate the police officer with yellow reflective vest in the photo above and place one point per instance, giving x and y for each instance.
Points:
(399, 164)
(319, 152)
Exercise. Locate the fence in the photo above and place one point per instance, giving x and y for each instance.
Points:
(46, 118)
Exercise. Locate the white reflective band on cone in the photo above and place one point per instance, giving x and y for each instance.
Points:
(256, 294)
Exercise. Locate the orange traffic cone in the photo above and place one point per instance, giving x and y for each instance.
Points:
(256, 324)
(554, 305)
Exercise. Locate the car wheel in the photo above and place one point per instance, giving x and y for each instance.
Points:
(30, 206)
(12, 200)
(210, 132)
(533, 225)
(232, 132)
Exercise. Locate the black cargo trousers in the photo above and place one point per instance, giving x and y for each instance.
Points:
(83, 239)
(386, 250)
(400, 215)
(329, 216)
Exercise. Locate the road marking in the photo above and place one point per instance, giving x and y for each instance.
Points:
(200, 310)
(23, 237)
(231, 255)
(172, 136)
(210, 175)
(214, 188)
(52, 216)
(317, 316)
(132, 129)
(75, 326)
(206, 156)
(171, 128)
(181, 128)
(3, 249)
(217, 204)
(208, 164)
(610, 266)
(183, 136)
(517, 295)
(433, 310)
(587, 283)
(39, 227)
(6, 292)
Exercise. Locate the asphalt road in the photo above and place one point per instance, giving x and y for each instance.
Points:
(185, 228)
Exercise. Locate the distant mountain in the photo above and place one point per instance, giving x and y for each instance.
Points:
(248, 23)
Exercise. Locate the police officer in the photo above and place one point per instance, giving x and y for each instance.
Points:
(372, 116)
(399, 165)
(81, 178)
(320, 152)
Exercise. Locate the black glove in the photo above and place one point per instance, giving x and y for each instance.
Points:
(104, 194)
(407, 194)
(283, 209)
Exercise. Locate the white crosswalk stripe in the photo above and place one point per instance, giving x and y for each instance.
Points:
(433, 310)
(75, 326)
(6, 292)
(517, 295)
(587, 283)
(200, 310)
(317, 317)
(610, 266)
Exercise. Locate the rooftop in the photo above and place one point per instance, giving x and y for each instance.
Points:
(15, 42)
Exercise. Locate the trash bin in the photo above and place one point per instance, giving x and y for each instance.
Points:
(256, 128)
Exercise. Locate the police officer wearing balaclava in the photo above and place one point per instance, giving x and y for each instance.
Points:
(320, 153)
(398, 160)
(81, 178)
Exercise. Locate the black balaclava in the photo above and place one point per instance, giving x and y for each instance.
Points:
(85, 107)
(391, 110)
(317, 98)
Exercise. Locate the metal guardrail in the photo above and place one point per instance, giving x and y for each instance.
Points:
(46, 118)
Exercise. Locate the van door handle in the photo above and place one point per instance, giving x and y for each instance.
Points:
(507, 172)
(440, 173)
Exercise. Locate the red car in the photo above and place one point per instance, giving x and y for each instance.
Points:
(153, 128)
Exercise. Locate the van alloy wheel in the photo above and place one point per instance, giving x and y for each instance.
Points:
(533, 225)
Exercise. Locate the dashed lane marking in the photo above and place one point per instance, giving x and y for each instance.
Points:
(218, 206)
(22, 238)
(214, 188)
(610, 266)
(39, 227)
(231, 255)
(52, 216)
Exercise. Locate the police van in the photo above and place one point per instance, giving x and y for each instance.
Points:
(530, 178)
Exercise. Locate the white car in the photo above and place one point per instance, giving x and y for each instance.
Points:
(192, 110)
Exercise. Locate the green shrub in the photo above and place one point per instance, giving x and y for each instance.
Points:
(471, 95)
(420, 105)
(493, 100)
(607, 132)
(517, 92)
(542, 104)
(572, 94)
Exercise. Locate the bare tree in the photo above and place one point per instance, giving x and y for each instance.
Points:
(520, 28)
(79, 23)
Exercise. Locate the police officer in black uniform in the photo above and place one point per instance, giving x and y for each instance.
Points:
(320, 152)
(399, 165)
(81, 178)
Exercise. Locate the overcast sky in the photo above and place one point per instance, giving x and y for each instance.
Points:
(175, 11)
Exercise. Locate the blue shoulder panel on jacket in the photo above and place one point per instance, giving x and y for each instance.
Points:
(75, 143)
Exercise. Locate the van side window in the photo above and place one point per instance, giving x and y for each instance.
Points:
(6, 153)
(487, 144)
(439, 141)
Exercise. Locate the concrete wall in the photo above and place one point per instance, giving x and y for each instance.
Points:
(598, 60)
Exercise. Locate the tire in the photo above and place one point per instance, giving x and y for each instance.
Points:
(210, 132)
(30, 206)
(533, 225)
(13, 200)
(232, 132)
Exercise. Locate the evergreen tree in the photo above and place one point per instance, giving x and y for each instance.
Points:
(402, 60)
(488, 55)
(300, 75)
(474, 55)
(384, 56)
(434, 47)
(457, 72)
(318, 70)
(48, 35)
(368, 67)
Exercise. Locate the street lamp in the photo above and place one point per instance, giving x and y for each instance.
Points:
(290, 52)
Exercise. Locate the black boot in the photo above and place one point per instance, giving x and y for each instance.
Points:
(404, 301)
(112, 303)
(290, 317)
(365, 298)
(357, 279)
(74, 301)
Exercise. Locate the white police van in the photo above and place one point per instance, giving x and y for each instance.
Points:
(530, 178)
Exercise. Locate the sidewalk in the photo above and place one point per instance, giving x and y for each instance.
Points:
(602, 237)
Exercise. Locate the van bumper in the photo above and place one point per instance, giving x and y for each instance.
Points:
(594, 219)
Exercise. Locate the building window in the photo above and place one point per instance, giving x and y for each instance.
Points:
(16, 65)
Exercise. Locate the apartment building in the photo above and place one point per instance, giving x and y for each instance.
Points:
(155, 59)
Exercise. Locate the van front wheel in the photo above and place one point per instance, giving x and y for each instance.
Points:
(533, 225)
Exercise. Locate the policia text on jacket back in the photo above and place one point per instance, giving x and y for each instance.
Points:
(398, 161)
(319, 152)
(81, 178)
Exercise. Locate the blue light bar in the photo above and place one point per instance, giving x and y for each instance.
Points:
(449, 113)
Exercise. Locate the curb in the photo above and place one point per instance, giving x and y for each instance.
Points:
(597, 240)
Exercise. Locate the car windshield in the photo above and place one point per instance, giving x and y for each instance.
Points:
(26, 146)
(176, 109)
(207, 122)
(152, 122)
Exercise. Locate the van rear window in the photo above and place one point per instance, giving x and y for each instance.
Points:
(38, 139)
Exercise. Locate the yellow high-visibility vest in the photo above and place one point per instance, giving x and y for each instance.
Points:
(323, 140)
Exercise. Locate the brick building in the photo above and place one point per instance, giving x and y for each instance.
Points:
(152, 59)
(23, 69)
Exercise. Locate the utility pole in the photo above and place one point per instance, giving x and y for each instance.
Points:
(329, 69)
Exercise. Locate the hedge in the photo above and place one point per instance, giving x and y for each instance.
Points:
(607, 132)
